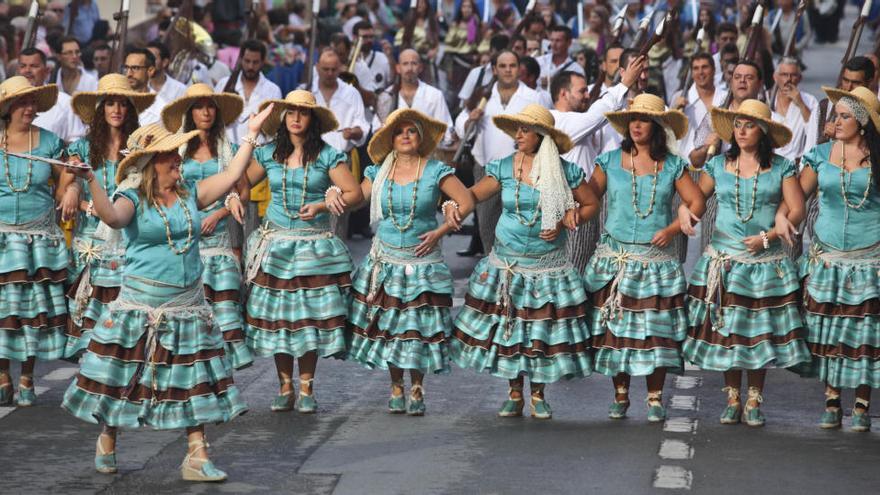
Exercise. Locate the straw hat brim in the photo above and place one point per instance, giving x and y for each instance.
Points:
(382, 142)
(325, 117)
(84, 103)
(510, 123)
(171, 142)
(229, 106)
(835, 95)
(45, 96)
(672, 119)
(722, 123)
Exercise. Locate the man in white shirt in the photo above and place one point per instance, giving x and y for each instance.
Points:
(343, 100)
(700, 97)
(726, 35)
(609, 66)
(72, 78)
(794, 105)
(508, 96)
(415, 94)
(252, 86)
(139, 67)
(375, 66)
(59, 119)
(166, 87)
(481, 75)
(529, 72)
(558, 59)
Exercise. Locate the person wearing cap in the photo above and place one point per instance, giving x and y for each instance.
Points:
(95, 277)
(841, 284)
(156, 357)
(635, 278)
(298, 272)
(209, 153)
(400, 313)
(743, 297)
(33, 256)
(525, 308)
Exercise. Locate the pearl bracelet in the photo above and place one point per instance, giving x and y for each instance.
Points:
(447, 204)
(90, 210)
(250, 140)
(336, 189)
(228, 199)
(765, 239)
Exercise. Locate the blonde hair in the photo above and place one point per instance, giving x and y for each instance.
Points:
(148, 186)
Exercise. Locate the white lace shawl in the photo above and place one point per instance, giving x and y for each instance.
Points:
(549, 180)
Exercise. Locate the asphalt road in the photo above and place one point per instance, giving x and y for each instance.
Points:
(353, 446)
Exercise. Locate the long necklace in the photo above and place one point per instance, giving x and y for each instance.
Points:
(302, 196)
(844, 185)
(412, 206)
(189, 227)
(522, 220)
(27, 184)
(635, 192)
(754, 193)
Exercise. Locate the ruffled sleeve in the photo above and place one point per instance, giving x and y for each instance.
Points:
(493, 169)
(574, 175)
(330, 158)
(441, 170)
(816, 156)
(786, 167)
(79, 148)
(677, 165)
(371, 172)
(129, 194)
(263, 155)
(54, 144)
(714, 166)
(604, 160)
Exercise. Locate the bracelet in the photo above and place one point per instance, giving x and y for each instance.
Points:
(90, 210)
(228, 199)
(250, 140)
(330, 189)
(765, 239)
(90, 178)
(447, 204)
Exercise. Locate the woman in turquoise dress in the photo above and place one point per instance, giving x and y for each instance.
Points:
(298, 272)
(33, 256)
(635, 278)
(525, 308)
(841, 283)
(95, 276)
(205, 155)
(743, 300)
(402, 292)
(156, 357)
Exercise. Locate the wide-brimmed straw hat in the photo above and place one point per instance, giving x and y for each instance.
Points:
(149, 140)
(861, 94)
(383, 140)
(297, 98)
(85, 103)
(18, 86)
(229, 106)
(538, 118)
(650, 106)
(722, 122)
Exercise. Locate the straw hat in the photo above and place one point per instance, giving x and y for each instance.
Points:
(651, 106)
(863, 95)
(722, 121)
(538, 117)
(229, 105)
(18, 86)
(383, 141)
(85, 103)
(150, 140)
(302, 99)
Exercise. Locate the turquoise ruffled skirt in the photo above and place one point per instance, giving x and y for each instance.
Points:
(184, 381)
(222, 281)
(643, 325)
(100, 269)
(524, 316)
(759, 324)
(299, 297)
(842, 314)
(33, 309)
(400, 310)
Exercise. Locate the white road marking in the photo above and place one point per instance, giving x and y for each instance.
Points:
(684, 402)
(675, 449)
(673, 477)
(5, 410)
(38, 390)
(680, 425)
(687, 382)
(690, 367)
(457, 302)
(61, 374)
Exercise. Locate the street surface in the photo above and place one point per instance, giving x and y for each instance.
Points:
(353, 446)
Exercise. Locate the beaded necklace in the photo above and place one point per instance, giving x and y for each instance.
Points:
(844, 185)
(412, 207)
(302, 196)
(635, 192)
(27, 184)
(189, 227)
(754, 193)
(522, 220)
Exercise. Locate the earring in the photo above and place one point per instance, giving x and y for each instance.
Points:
(862, 132)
